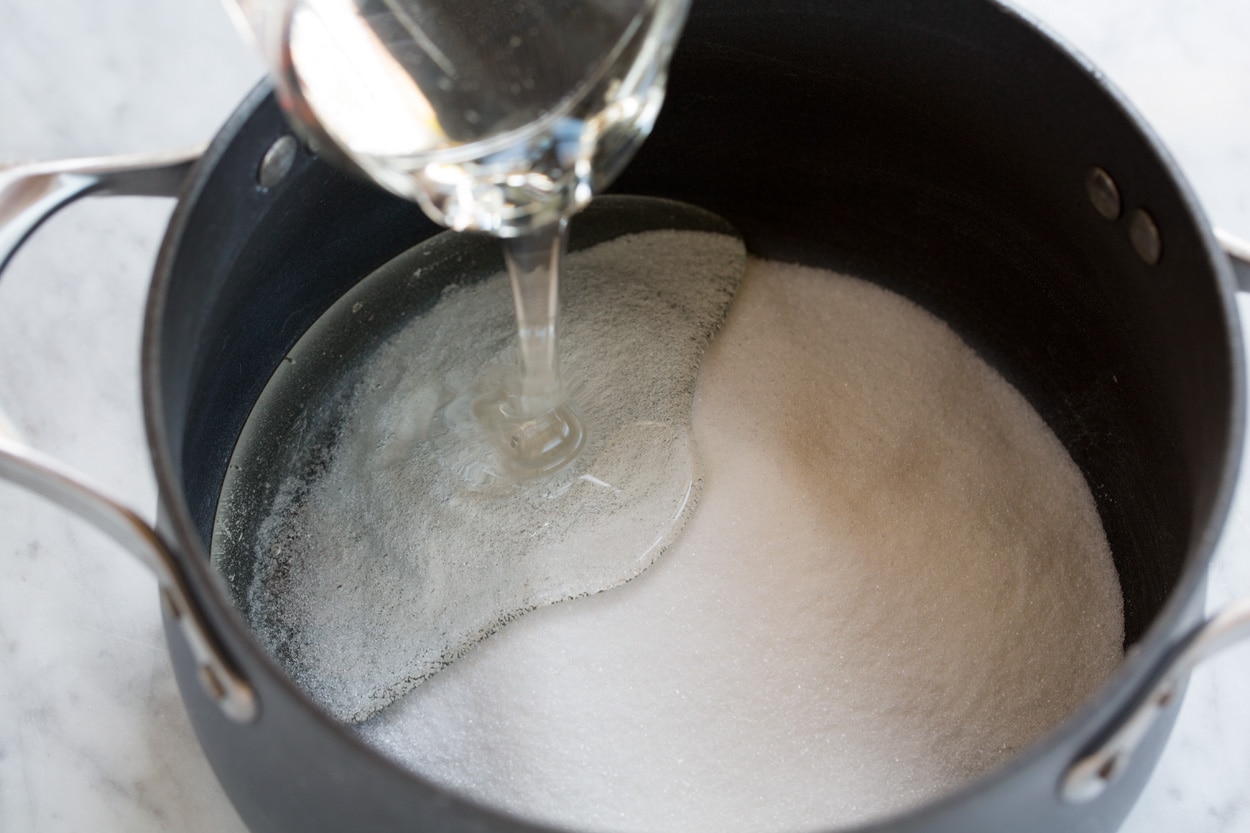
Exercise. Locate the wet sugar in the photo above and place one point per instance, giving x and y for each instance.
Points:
(396, 540)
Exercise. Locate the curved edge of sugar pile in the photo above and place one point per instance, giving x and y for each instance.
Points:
(895, 579)
(392, 545)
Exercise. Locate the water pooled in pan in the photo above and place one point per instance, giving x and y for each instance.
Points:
(368, 532)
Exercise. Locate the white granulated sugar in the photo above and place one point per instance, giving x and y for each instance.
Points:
(895, 579)
(392, 550)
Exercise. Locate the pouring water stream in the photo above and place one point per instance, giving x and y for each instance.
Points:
(501, 123)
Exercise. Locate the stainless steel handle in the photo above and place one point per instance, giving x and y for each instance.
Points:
(32, 192)
(1094, 771)
(1091, 774)
(1238, 252)
(29, 194)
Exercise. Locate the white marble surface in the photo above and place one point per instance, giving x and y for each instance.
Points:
(92, 733)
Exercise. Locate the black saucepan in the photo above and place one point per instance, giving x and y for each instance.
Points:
(948, 151)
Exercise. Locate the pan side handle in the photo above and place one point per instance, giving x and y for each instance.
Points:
(1090, 775)
(29, 194)
(32, 192)
(1094, 771)
(1238, 252)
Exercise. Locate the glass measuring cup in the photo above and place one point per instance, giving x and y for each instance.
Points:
(502, 117)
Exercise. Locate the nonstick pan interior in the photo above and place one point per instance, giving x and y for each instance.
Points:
(940, 150)
(951, 171)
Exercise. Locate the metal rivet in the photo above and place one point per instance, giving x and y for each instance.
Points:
(277, 161)
(1144, 235)
(1103, 193)
(211, 683)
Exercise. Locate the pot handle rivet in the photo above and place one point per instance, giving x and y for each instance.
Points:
(1143, 233)
(212, 683)
(1103, 193)
(29, 194)
(277, 161)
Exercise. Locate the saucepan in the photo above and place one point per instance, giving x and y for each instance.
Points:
(949, 151)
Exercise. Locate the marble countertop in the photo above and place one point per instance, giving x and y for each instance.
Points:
(92, 731)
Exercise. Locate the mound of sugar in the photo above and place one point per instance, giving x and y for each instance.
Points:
(394, 544)
(895, 579)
